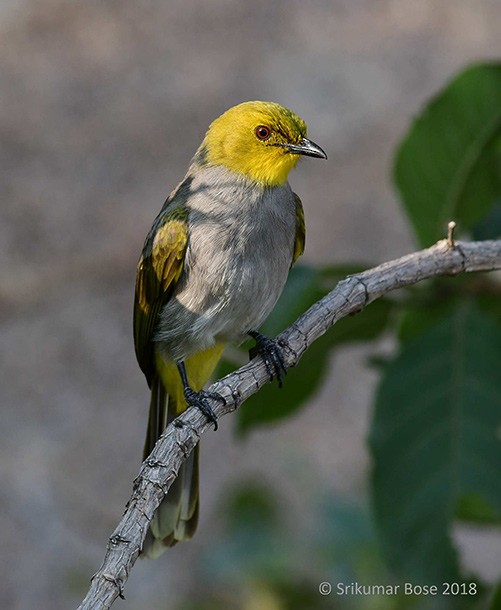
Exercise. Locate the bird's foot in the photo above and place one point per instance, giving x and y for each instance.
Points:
(199, 400)
(272, 355)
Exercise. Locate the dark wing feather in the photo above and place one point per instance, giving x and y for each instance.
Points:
(158, 272)
(300, 230)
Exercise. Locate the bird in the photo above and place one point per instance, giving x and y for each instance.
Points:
(213, 265)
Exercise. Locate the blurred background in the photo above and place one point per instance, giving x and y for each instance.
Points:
(102, 105)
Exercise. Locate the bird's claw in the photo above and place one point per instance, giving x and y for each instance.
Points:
(272, 356)
(199, 400)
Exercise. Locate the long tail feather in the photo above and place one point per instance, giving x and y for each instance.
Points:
(176, 518)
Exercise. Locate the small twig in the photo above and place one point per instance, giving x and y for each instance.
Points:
(159, 470)
(451, 227)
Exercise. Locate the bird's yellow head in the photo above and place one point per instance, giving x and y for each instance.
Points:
(261, 140)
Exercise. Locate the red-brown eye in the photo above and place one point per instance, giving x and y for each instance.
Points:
(262, 132)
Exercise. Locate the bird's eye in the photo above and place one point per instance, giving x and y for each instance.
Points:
(262, 132)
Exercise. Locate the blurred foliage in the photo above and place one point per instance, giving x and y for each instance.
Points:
(283, 567)
(434, 437)
(435, 433)
(260, 562)
(433, 442)
(448, 166)
(495, 601)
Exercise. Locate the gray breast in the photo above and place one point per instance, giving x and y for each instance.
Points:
(240, 250)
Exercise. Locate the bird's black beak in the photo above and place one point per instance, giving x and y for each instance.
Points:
(306, 147)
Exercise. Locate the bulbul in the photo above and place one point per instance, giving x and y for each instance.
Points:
(212, 268)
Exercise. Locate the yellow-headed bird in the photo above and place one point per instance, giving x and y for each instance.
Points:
(212, 268)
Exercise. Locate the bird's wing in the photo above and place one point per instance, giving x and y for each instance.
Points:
(300, 238)
(158, 272)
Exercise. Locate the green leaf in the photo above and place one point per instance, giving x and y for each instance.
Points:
(365, 325)
(252, 505)
(495, 601)
(490, 226)
(489, 303)
(417, 319)
(448, 167)
(435, 442)
(428, 305)
(474, 508)
(431, 305)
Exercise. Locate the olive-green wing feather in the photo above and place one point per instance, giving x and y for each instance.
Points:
(158, 272)
(300, 230)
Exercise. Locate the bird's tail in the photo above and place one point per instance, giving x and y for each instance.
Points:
(177, 516)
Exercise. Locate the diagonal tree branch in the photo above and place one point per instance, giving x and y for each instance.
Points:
(350, 296)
